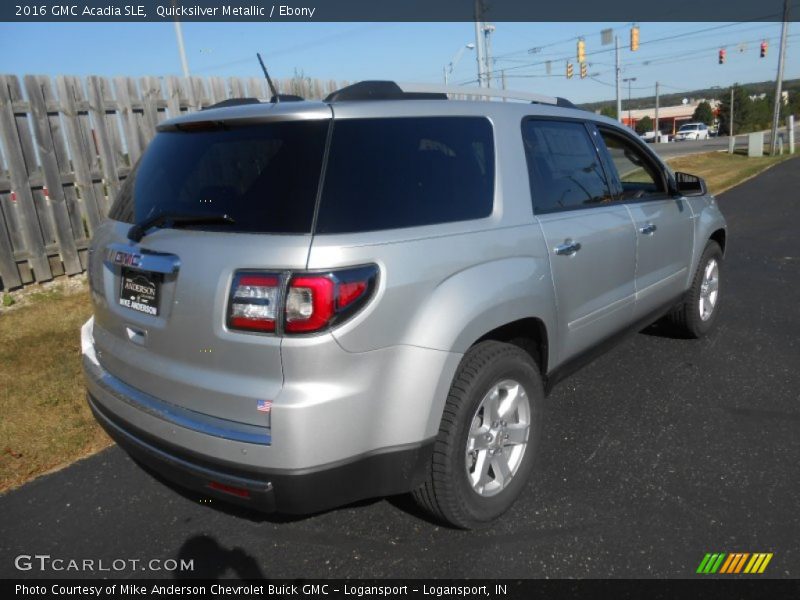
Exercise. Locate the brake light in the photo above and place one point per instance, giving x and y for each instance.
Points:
(309, 303)
(316, 302)
(312, 301)
(349, 293)
(253, 302)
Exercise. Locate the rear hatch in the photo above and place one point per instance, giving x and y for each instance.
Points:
(160, 302)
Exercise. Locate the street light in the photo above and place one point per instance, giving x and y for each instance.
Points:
(629, 80)
(448, 68)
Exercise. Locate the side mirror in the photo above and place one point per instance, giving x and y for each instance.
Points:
(690, 185)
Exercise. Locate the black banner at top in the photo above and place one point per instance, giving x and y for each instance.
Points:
(399, 10)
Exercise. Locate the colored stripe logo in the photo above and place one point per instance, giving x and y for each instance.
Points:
(734, 563)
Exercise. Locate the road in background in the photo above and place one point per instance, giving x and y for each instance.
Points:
(657, 453)
(712, 144)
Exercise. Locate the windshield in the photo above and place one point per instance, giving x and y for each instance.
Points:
(264, 177)
(688, 128)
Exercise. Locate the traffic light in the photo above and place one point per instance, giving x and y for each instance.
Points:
(634, 38)
(763, 48)
(722, 54)
(569, 70)
(584, 70)
(581, 50)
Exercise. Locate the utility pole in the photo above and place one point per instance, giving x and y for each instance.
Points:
(629, 80)
(503, 80)
(731, 139)
(656, 130)
(619, 72)
(479, 50)
(488, 29)
(181, 48)
(776, 111)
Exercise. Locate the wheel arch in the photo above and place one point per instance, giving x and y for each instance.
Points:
(529, 334)
(720, 236)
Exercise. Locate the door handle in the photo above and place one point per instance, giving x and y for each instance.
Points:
(568, 248)
(648, 229)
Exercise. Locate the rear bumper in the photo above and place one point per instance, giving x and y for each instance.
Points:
(386, 473)
(243, 463)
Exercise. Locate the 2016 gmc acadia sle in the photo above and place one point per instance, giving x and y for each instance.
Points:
(302, 304)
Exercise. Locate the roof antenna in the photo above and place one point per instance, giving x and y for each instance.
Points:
(275, 94)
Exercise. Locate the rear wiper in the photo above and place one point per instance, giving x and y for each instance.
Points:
(139, 230)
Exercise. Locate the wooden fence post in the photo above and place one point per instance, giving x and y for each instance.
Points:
(20, 180)
(52, 176)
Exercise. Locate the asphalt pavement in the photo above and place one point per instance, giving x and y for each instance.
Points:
(660, 451)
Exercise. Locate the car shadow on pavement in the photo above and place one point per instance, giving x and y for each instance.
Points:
(209, 560)
(664, 329)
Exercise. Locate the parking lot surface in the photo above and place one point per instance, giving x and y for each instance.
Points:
(658, 452)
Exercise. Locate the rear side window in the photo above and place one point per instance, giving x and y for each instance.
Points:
(405, 172)
(563, 166)
(263, 176)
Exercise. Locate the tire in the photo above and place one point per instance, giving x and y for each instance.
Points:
(457, 490)
(690, 318)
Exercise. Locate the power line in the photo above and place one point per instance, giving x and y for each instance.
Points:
(654, 41)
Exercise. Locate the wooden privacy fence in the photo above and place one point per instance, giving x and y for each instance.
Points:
(67, 144)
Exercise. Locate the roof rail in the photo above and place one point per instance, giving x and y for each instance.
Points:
(390, 90)
(486, 92)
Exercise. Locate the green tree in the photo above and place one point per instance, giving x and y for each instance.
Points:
(741, 108)
(759, 115)
(793, 108)
(609, 111)
(644, 124)
(703, 113)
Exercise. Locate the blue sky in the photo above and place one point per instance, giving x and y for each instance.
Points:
(687, 59)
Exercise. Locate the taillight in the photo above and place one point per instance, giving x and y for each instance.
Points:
(312, 302)
(253, 302)
(309, 303)
(317, 301)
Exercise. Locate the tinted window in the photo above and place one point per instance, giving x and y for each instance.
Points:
(563, 166)
(637, 174)
(263, 176)
(405, 172)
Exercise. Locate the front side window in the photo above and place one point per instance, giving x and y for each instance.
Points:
(563, 166)
(637, 175)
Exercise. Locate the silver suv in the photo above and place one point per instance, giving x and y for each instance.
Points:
(302, 304)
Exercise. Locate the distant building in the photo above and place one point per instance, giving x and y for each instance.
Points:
(784, 97)
(670, 118)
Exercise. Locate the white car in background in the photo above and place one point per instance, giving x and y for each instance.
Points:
(692, 131)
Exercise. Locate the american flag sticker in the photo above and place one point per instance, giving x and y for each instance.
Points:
(264, 405)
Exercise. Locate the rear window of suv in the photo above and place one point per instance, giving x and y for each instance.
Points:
(385, 173)
(265, 177)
